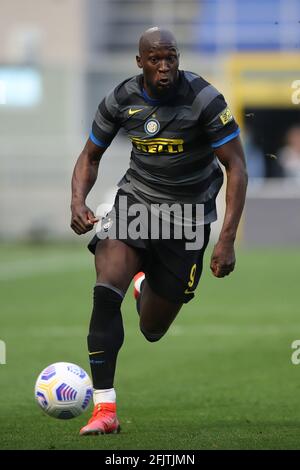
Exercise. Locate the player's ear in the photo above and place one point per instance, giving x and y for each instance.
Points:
(139, 62)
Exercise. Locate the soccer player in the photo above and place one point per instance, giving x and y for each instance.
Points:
(178, 124)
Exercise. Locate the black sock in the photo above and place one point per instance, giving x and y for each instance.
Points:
(106, 335)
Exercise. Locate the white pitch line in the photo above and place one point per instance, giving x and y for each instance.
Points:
(58, 331)
(225, 330)
(63, 331)
(24, 268)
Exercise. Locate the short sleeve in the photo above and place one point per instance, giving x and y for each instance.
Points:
(106, 123)
(219, 124)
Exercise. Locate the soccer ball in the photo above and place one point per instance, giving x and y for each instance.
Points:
(63, 390)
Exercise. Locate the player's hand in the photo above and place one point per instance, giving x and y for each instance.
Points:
(223, 259)
(83, 219)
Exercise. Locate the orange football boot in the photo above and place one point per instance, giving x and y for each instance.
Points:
(137, 280)
(103, 421)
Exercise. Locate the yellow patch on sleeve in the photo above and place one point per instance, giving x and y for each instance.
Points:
(226, 116)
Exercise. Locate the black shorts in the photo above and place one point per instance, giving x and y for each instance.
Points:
(172, 270)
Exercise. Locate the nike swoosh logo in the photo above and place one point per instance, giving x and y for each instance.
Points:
(110, 421)
(133, 111)
(96, 352)
(187, 291)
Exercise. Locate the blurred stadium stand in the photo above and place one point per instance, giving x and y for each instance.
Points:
(58, 59)
(249, 25)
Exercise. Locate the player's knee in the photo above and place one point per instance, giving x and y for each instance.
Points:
(152, 336)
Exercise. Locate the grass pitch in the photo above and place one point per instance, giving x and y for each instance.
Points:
(222, 378)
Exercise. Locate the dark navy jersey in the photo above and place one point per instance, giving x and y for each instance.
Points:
(173, 140)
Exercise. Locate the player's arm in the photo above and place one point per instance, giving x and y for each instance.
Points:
(84, 177)
(231, 155)
(104, 128)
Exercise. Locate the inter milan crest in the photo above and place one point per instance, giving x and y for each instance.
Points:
(152, 126)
